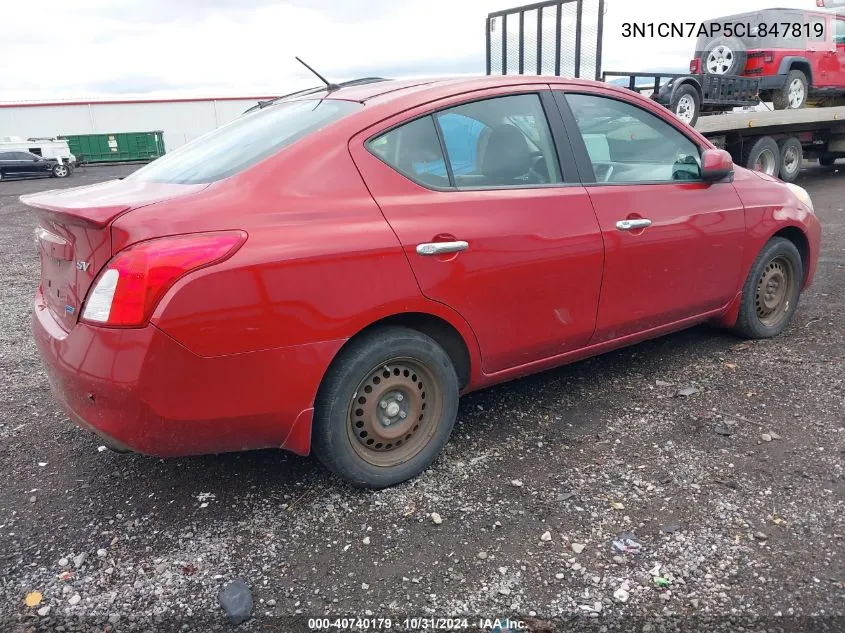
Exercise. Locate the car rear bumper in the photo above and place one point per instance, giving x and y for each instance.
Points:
(141, 390)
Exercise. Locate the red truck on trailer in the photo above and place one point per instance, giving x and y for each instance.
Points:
(731, 68)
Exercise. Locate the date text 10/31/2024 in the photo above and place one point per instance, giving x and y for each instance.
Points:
(813, 30)
(485, 625)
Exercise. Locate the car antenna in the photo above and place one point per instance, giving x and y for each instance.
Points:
(329, 85)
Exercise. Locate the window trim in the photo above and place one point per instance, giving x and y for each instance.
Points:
(582, 157)
(567, 163)
(839, 25)
(390, 129)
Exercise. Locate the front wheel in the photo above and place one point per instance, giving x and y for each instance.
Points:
(61, 171)
(771, 291)
(386, 407)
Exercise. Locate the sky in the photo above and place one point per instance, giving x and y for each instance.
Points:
(159, 48)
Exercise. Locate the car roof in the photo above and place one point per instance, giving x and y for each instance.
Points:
(390, 89)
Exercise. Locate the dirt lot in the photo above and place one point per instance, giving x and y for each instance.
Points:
(742, 522)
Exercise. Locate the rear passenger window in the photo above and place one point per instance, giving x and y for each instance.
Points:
(500, 142)
(414, 150)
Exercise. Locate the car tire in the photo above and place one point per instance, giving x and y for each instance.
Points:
(771, 291)
(793, 94)
(826, 160)
(686, 104)
(762, 155)
(791, 158)
(731, 61)
(61, 171)
(386, 407)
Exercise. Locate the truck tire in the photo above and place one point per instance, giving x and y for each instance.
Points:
(793, 94)
(791, 158)
(724, 56)
(826, 160)
(762, 155)
(686, 104)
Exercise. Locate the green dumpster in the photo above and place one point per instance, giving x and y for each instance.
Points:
(119, 147)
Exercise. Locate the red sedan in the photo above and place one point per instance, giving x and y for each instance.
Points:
(332, 271)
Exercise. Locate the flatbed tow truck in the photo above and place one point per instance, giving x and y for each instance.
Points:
(776, 142)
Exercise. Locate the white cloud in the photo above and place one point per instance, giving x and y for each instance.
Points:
(91, 48)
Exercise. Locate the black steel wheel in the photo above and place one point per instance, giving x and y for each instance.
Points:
(771, 291)
(386, 407)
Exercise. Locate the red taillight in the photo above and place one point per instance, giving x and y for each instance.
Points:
(695, 66)
(768, 58)
(128, 289)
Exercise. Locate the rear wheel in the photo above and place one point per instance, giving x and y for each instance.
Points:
(827, 160)
(386, 407)
(763, 155)
(686, 104)
(61, 171)
(791, 158)
(771, 291)
(793, 95)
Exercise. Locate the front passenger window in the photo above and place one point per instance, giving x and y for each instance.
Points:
(627, 144)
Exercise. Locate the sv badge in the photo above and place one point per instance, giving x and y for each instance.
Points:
(83, 266)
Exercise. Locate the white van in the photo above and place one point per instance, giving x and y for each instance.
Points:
(44, 147)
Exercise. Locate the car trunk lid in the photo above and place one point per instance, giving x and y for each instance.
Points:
(73, 236)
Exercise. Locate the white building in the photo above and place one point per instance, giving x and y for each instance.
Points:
(182, 120)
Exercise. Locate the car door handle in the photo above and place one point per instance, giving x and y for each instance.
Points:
(440, 248)
(631, 225)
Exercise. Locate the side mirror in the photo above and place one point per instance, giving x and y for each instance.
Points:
(716, 164)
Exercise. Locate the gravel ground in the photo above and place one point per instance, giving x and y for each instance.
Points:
(734, 493)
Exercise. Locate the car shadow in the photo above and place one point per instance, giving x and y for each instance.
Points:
(484, 417)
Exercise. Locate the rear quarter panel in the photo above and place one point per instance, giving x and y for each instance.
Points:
(320, 263)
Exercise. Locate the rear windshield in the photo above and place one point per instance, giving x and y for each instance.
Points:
(244, 142)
